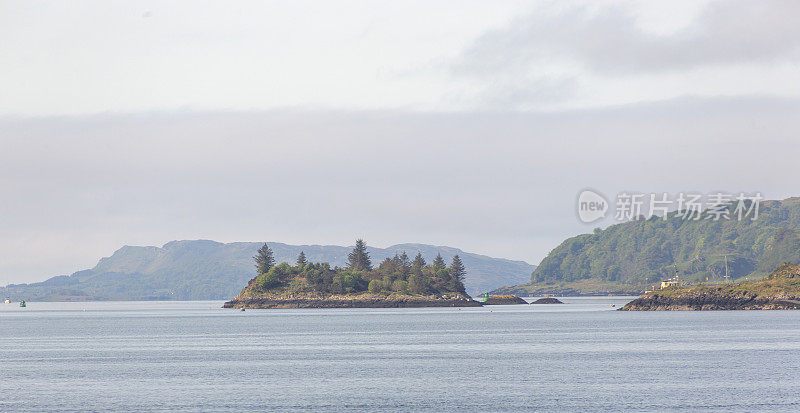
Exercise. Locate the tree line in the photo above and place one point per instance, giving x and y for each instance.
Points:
(643, 252)
(399, 274)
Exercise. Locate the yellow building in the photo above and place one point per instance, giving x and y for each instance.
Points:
(671, 282)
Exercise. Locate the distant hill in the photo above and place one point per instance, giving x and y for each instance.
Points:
(203, 270)
(631, 256)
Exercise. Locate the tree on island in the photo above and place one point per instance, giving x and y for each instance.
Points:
(396, 275)
(264, 260)
(438, 262)
(405, 262)
(301, 260)
(458, 273)
(419, 262)
(359, 258)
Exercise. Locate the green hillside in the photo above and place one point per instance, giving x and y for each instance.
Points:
(631, 256)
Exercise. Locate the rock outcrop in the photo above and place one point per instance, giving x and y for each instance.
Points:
(547, 300)
(778, 291)
(504, 300)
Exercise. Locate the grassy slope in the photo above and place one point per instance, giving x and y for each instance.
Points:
(784, 282)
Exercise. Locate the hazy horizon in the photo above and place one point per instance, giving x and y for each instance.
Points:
(471, 125)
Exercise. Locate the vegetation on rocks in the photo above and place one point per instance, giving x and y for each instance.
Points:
(398, 281)
(779, 290)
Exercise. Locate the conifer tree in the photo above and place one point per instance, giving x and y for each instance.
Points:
(457, 269)
(419, 262)
(264, 260)
(404, 264)
(438, 262)
(396, 262)
(458, 273)
(301, 260)
(359, 258)
(404, 260)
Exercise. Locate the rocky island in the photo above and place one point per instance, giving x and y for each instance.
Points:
(780, 290)
(547, 300)
(503, 300)
(396, 282)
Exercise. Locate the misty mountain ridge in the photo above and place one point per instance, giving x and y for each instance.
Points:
(205, 270)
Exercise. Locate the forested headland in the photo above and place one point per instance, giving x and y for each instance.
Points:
(634, 255)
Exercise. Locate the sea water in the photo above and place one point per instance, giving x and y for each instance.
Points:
(579, 356)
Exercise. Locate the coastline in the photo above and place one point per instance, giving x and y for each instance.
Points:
(709, 302)
(367, 300)
(780, 290)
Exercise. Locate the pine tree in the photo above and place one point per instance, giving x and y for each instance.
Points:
(438, 262)
(419, 262)
(359, 258)
(404, 264)
(396, 262)
(404, 260)
(458, 273)
(301, 260)
(264, 260)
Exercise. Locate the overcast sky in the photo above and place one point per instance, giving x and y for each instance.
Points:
(472, 124)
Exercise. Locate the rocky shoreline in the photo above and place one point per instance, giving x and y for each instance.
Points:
(349, 301)
(709, 302)
(547, 300)
(779, 291)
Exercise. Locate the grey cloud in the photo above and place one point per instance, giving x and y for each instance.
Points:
(503, 184)
(517, 92)
(609, 41)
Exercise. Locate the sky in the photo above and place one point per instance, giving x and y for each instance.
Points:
(471, 124)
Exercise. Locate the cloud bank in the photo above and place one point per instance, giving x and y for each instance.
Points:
(502, 184)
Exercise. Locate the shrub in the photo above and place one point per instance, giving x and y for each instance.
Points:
(350, 283)
(268, 281)
(375, 286)
(400, 286)
(298, 285)
(417, 284)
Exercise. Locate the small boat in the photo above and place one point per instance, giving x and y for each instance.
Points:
(7, 301)
(22, 303)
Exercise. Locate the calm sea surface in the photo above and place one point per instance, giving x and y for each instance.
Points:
(190, 356)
